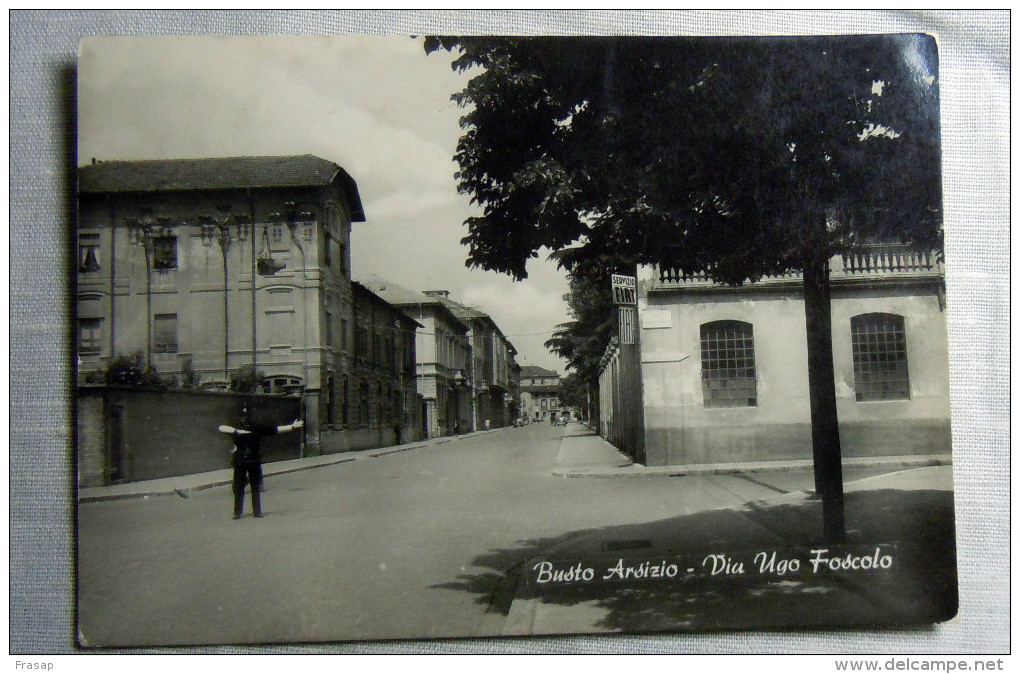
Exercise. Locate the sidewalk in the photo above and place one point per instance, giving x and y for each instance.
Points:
(907, 511)
(182, 485)
(583, 453)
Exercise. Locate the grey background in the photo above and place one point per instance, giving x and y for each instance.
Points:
(974, 69)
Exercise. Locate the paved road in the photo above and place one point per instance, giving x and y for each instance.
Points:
(410, 545)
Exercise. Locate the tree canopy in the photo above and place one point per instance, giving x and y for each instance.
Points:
(706, 154)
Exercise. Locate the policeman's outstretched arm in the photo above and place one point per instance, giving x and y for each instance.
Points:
(294, 425)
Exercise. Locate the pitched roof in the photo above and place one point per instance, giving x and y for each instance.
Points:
(358, 288)
(399, 296)
(465, 313)
(533, 371)
(458, 309)
(217, 173)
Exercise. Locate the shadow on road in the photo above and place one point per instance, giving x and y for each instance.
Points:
(915, 526)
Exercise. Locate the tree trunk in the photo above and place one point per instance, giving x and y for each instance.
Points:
(822, 392)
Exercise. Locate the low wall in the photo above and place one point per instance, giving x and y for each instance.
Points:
(783, 442)
(127, 435)
(355, 439)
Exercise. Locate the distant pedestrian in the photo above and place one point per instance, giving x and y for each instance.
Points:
(247, 458)
(487, 423)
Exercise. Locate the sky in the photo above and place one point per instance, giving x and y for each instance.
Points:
(377, 106)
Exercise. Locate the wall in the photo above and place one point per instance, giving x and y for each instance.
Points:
(620, 400)
(680, 430)
(356, 439)
(170, 433)
(93, 466)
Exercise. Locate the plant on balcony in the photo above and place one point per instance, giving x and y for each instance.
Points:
(734, 157)
(247, 379)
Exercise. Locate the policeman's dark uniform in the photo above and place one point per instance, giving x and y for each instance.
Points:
(247, 462)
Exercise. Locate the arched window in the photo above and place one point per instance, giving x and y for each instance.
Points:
(727, 364)
(283, 385)
(880, 357)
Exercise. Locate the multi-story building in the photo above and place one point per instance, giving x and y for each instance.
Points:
(540, 390)
(203, 266)
(514, 412)
(443, 352)
(374, 401)
(493, 360)
(723, 370)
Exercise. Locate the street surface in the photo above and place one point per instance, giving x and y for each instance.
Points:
(415, 544)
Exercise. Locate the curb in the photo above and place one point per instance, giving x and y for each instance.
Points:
(269, 470)
(633, 470)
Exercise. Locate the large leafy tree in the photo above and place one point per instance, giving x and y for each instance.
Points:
(735, 157)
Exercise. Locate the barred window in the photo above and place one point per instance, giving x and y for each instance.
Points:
(880, 357)
(727, 364)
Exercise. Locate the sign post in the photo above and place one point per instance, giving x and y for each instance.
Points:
(624, 290)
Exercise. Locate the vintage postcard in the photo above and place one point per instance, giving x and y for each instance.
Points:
(391, 338)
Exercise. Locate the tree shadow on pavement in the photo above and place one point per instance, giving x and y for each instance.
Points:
(915, 526)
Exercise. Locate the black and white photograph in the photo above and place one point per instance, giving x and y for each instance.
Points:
(460, 336)
(432, 337)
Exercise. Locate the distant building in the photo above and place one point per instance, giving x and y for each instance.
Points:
(443, 351)
(493, 390)
(723, 370)
(540, 390)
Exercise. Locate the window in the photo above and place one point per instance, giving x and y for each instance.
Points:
(327, 257)
(363, 395)
(164, 333)
(879, 344)
(283, 385)
(343, 334)
(88, 252)
(330, 400)
(727, 364)
(361, 342)
(344, 402)
(89, 335)
(164, 252)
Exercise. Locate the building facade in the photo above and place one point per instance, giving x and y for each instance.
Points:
(373, 402)
(724, 369)
(493, 362)
(540, 389)
(204, 266)
(443, 354)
